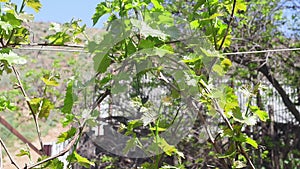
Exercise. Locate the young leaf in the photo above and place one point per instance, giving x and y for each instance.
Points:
(23, 152)
(218, 69)
(41, 106)
(250, 120)
(157, 5)
(34, 4)
(66, 135)
(50, 82)
(252, 142)
(83, 161)
(12, 58)
(263, 115)
(240, 6)
(169, 149)
(101, 9)
(56, 164)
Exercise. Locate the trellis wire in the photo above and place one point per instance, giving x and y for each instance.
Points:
(82, 50)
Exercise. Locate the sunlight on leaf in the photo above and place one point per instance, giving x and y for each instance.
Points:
(34, 4)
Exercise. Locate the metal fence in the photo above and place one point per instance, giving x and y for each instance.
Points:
(53, 148)
(272, 101)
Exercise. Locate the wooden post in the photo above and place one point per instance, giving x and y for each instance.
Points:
(19, 135)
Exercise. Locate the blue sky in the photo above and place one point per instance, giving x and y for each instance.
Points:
(64, 10)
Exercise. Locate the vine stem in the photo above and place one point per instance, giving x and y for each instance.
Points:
(76, 137)
(20, 86)
(218, 108)
(210, 137)
(13, 31)
(64, 151)
(8, 154)
(246, 156)
(220, 111)
(230, 21)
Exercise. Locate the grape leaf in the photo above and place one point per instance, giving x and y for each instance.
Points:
(83, 161)
(101, 10)
(12, 58)
(69, 98)
(66, 135)
(34, 4)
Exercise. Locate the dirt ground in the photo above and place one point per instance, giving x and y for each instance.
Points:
(21, 161)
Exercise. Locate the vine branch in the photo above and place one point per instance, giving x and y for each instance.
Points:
(64, 151)
(228, 27)
(20, 86)
(8, 154)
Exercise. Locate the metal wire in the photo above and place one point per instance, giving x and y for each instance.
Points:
(263, 51)
(52, 49)
(82, 50)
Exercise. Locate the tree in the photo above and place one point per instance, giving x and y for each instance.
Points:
(260, 30)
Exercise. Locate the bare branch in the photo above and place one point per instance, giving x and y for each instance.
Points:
(8, 154)
(20, 85)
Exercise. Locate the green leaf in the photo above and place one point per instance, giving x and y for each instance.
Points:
(66, 135)
(5, 50)
(6, 26)
(34, 4)
(195, 24)
(131, 48)
(230, 152)
(23, 152)
(83, 161)
(101, 62)
(158, 129)
(252, 142)
(146, 30)
(42, 106)
(214, 16)
(129, 145)
(250, 120)
(226, 63)
(50, 82)
(12, 58)
(227, 155)
(198, 4)
(239, 164)
(101, 9)
(262, 115)
(6, 104)
(157, 5)
(68, 119)
(69, 98)
(56, 164)
(240, 6)
(169, 149)
(12, 20)
(145, 43)
(134, 124)
(218, 69)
